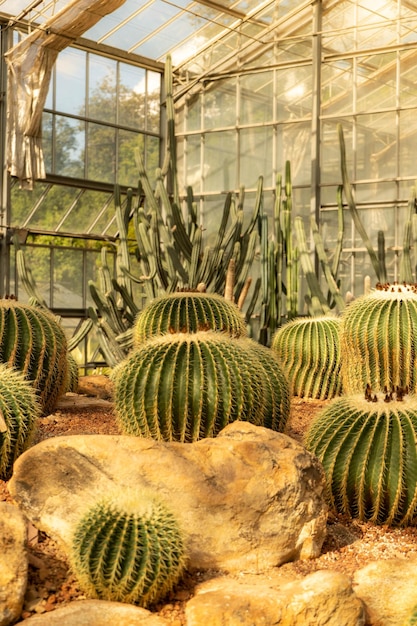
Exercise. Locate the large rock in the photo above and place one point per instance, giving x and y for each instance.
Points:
(324, 598)
(248, 500)
(97, 613)
(13, 563)
(389, 590)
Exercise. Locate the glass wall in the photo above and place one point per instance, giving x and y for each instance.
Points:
(351, 62)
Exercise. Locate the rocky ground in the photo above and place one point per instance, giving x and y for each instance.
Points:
(349, 544)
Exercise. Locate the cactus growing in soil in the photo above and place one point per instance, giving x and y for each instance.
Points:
(187, 386)
(367, 446)
(128, 549)
(188, 311)
(19, 409)
(309, 351)
(32, 341)
(378, 340)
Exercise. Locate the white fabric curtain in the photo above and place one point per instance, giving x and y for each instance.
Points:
(29, 66)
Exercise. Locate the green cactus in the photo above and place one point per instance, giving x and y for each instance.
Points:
(32, 341)
(368, 451)
(309, 352)
(128, 549)
(71, 383)
(187, 386)
(188, 312)
(19, 410)
(377, 338)
(411, 620)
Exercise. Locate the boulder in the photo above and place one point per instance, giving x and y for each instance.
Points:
(248, 500)
(389, 590)
(13, 563)
(324, 598)
(97, 613)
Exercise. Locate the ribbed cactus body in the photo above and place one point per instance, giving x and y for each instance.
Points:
(72, 379)
(34, 343)
(125, 550)
(188, 312)
(379, 340)
(19, 409)
(369, 454)
(309, 351)
(187, 386)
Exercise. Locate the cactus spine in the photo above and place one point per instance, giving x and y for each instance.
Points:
(19, 409)
(378, 334)
(188, 312)
(183, 387)
(128, 550)
(368, 451)
(32, 341)
(309, 352)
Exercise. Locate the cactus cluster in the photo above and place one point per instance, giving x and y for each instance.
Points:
(128, 548)
(377, 339)
(32, 341)
(309, 351)
(186, 386)
(367, 445)
(19, 409)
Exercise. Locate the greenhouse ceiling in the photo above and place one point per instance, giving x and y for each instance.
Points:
(154, 28)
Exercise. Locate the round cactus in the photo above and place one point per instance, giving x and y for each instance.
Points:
(126, 549)
(186, 386)
(309, 351)
(368, 450)
(32, 341)
(188, 312)
(378, 340)
(71, 383)
(19, 409)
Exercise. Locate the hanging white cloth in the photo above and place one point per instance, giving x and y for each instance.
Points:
(29, 66)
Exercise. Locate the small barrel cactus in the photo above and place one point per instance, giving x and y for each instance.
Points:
(367, 446)
(128, 549)
(187, 386)
(32, 341)
(188, 312)
(378, 340)
(71, 384)
(19, 410)
(309, 352)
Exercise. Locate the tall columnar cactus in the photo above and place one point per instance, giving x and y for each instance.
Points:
(188, 312)
(309, 351)
(32, 341)
(19, 409)
(378, 340)
(128, 549)
(368, 450)
(187, 386)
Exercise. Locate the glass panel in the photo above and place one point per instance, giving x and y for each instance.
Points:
(294, 93)
(195, 169)
(408, 85)
(256, 150)
(127, 168)
(152, 156)
(39, 261)
(101, 153)
(336, 87)
(101, 88)
(407, 149)
(69, 147)
(83, 212)
(376, 149)
(256, 98)
(132, 96)
(193, 121)
(68, 279)
(376, 82)
(376, 192)
(70, 81)
(47, 135)
(220, 160)
(153, 102)
(220, 105)
(294, 145)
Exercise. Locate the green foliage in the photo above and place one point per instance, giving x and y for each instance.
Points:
(19, 409)
(32, 341)
(128, 548)
(309, 351)
(378, 334)
(188, 312)
(187, 386)
(411, 620)
(368, 451)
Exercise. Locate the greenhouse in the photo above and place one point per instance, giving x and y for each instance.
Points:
(154, 145)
